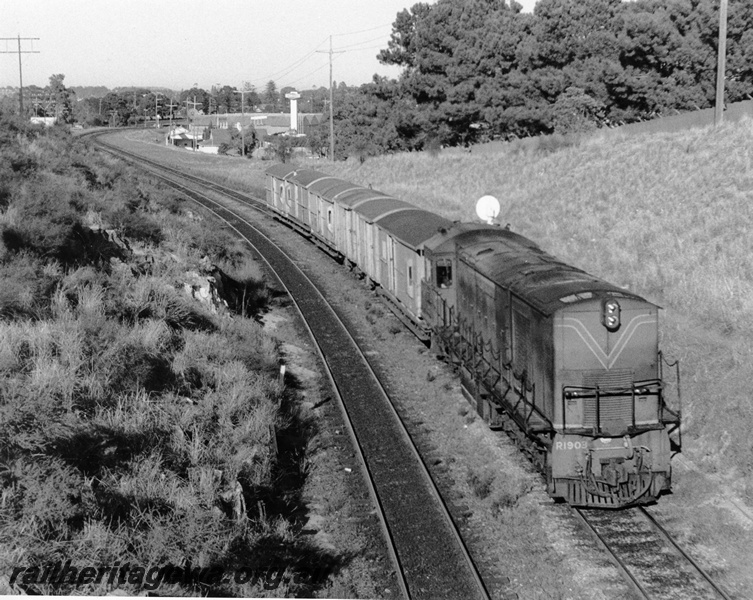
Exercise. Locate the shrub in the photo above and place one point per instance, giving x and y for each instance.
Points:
(136, 225)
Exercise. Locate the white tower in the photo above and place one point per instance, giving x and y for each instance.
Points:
(293, 97)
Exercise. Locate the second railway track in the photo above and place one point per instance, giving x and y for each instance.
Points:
(430, 555)
(654, 564)
(431, 563)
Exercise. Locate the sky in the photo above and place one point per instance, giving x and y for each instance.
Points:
(179, 43)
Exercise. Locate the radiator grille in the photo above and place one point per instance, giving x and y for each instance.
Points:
(615, 412)
(615, 378)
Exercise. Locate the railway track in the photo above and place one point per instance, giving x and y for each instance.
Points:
(430, 556)
(654, 564)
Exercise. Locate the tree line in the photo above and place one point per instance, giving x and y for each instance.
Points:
(130, 106)
(475, 70)
(478, 70)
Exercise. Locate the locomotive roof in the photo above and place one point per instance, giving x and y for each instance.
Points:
(535, 276)
(413, 226)
(464, 234)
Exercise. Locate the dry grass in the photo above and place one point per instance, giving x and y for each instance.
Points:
(667, 215)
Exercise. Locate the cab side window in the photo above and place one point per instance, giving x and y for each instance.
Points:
(444, 273)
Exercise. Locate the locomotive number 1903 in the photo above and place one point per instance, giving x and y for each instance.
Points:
(564, 445)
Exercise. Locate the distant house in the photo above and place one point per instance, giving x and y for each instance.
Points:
(46, 121)
(265, 124)
(181, 137)
(213, 139)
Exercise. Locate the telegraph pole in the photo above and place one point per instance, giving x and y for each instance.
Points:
(156, 108)
(193, 130)
(171, 106)
(242, 92)
(721, 65)
(331, 105)
(20, 69)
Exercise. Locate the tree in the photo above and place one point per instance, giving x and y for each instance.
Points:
(227, 99)
(244, 141)
(271, 96)
(251, 99)
(198, 95)
(115, 109)
(455, 53)
(403, 47)
(62, 98)
(368, 120)
(281, 147)
(86, 112)
(576, 112)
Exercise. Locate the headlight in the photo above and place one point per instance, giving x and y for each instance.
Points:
(610, 314)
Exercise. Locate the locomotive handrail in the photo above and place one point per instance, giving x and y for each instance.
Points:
(466, 348)
(598, 410)
(616, 391)
(678, 413)
(647, 387)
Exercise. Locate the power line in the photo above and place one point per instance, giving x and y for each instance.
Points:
(359, 43)
(367, 48)
(721, 65)
(290, 83)
(331, 107)
(362, 31)
(291, 67)
(20, 70)
(285, 70)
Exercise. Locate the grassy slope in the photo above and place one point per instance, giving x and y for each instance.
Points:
(669, 216)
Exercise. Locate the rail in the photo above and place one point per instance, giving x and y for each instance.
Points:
(442, 566)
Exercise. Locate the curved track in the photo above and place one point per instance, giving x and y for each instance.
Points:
(430, 556)
(653, 563)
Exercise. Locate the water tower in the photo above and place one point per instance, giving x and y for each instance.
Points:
(293, 97)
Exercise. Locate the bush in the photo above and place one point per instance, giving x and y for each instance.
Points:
(136, 225)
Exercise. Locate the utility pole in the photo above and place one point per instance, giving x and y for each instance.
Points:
(156, 108)
(171, 106)
(243, 135)
(721, 65)
(331, 105)
(20, 69)
(193, 135)
(242, 92)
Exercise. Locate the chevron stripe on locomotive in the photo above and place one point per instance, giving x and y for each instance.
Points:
(565, 361)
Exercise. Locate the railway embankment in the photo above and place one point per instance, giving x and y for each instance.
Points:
(147, 441)
(668, 216)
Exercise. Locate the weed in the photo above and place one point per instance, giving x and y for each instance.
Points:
(481, 485)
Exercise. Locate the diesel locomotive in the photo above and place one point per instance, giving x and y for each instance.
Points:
(563, 360)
